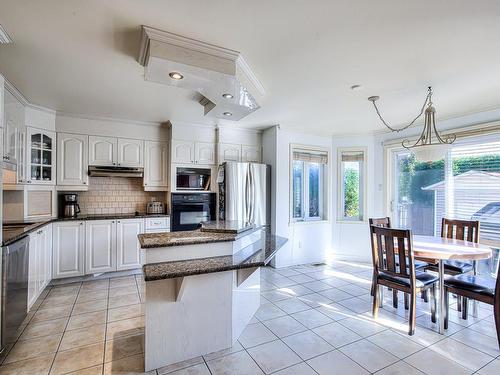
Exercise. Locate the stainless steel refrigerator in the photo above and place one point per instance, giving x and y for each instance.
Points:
(244, 192)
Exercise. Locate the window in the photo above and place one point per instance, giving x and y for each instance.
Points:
(308, 184)
(352, 184)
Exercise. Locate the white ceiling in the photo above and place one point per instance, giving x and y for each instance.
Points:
(79, 56)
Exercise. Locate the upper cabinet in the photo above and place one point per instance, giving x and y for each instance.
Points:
(110, 151)
(188, 152)
(102, 150)
(14, 125)
(239, 153)
(251, 154)
(41, 153)
(155, 166)
(130, 152)
(72, 160)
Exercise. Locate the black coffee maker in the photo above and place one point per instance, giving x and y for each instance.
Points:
(71, 207)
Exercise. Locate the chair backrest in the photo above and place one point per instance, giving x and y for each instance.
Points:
(384, 222)
(460, 229)
(393, 243)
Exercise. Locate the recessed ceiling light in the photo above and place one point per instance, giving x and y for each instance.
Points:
(227, 113)
(176, 75)
(356, 87)
(227, 96)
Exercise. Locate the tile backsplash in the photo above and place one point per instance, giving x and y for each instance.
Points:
(116, 195)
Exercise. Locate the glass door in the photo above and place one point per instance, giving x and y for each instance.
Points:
(41, 152)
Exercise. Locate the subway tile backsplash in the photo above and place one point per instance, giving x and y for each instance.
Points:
(116, 195)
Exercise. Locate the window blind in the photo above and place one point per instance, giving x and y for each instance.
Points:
(311, 156)
(353, 156)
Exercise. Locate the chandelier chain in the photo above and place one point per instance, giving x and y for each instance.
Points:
(428, 99)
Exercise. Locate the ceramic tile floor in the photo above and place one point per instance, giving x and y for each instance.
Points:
(313, 320)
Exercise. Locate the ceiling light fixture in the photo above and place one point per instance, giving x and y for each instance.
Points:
(227, 114)
(176, 75)
(227, 96)
(431, 145)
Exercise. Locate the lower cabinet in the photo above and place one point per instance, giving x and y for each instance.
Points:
(128, 247)
(40, 262)
(68, 244)
(100, 246)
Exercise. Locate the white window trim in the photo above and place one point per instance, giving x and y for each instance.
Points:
(363, 183)
(323, 192)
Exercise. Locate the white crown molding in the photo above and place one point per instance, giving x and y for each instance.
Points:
(242, 63)
(4, 36)
(110, 119)
(15, 92)
(240, 128)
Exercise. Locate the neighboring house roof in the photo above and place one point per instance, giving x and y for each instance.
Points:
(471, 180)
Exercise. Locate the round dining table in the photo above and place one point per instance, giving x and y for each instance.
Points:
(440, 249)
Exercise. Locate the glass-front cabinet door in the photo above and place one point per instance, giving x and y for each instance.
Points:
(41, 156)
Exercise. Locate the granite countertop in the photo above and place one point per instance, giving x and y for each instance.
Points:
(25, 227)
(191, 237)
(226, 226)
(246, 258)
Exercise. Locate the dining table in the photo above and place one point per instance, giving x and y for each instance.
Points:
(439, 250)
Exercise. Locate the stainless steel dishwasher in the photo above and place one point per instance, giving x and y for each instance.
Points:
(15, 260)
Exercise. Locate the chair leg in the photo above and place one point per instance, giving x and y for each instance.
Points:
(395, 298)
(372, 291)
(424, 294)
(496, 311)
(459, 303)
(446, 307)
(413, 312)
(433, 303)
(465, 308)
(406, 302)
(376, 297)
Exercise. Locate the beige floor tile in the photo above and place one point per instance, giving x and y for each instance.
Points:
(123, 290)
(369, 355)
(26, 349)
(83, 336)
(44, 328)
(464, 355)
(396, 344)
(274, 356)
(300, 369)
(36, 366)
(85, 296)
(127, 366)
(94, 370)
(325, 363)
(493, 368)
(179, 366)
(255, 334)
(86, 320)
(236, 363)
(123, 347)
(125, 312)
(125, 300)
(95, 284)
(78, 358)
(126, 327)
(284, 326)
(200, 369)
(118, 282)
(90, 306)
(307, 344)
(433, 363)
(51, 313)
(58, 301)
(400, 368)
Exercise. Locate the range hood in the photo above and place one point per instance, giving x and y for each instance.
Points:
(96, 171)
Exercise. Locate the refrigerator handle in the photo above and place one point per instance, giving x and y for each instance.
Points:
(250, 196)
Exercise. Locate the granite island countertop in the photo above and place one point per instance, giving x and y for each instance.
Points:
(226, 226)
(246, 258)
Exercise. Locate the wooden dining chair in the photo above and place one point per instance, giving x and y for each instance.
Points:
(387, 246)
(385, 222)
(480, 288)
(465, 230)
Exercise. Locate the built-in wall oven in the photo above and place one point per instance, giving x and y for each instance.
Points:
(189, 210)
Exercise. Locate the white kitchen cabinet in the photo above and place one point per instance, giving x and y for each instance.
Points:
(155, 165)
(40, 161)
(39, 265)
(68, 244)
(183, 151)
(229, 152)
(251, 154)
(72, 160)
(128, 248)
(13, 125)
(130, 152)
(204, 153)
(100, 246)
(102, 150)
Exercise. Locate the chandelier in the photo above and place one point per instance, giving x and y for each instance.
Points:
(431, 145)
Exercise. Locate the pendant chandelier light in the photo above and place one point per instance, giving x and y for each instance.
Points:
(431, 145)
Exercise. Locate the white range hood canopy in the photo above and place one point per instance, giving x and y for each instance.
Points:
(210, 70)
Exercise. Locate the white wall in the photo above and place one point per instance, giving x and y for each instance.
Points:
(307, 242)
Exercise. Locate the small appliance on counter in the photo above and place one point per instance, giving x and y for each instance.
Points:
(71, 207)
(155, 207)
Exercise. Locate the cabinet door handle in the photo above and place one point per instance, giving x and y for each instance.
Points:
(113, 221)
(85, 182)
(81, 223)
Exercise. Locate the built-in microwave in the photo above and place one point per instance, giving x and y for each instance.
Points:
(193, 178)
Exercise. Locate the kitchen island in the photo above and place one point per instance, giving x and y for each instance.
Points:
(202, 288)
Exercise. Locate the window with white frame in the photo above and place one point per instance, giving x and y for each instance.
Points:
(308, 175)
(352, 177)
